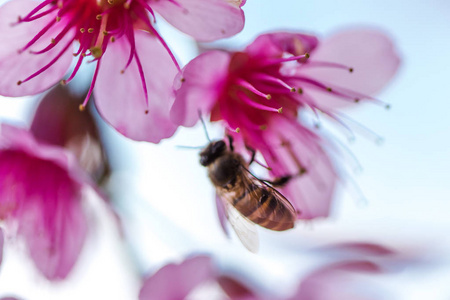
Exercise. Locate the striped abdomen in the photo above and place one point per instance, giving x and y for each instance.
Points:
(264, 206)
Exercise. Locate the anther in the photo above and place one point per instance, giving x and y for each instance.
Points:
(82, 30)
(53, 41)
(111, 2)
(112, 39)
(91, 30)
(96, 52)
(293, 89)
(357, 100)
(63, 82)
(300, 90)
(19, 82)
(350, 70)
(306, 55)
(105, 32)
(238, 130)
(81, 107)
(98, 17)
(58, 18)
(388, 106)
(183, 79)
(280, 110)
(329, 89)
(268, 96)
(263, 127)
(122, 71)
(146, 111)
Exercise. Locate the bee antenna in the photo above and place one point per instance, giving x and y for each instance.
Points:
(189, 147)
(204, 125)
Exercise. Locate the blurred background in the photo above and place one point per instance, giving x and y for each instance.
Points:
(400, 198)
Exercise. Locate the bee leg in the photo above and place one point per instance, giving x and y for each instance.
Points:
(230, 141)
(253, 152)
(283, 180)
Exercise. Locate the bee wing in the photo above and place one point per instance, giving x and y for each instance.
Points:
(244, 228)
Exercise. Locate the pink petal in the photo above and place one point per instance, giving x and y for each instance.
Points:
(204, 20)
(15, 66)
(177, 281)
(276, 44)
(235, 289)
(222, 215)
(337, 282)
(369, 52)
(201, 87)
(312, 192)
(120, 98)
(46, 203)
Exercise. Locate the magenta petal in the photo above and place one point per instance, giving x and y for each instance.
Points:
(15, 66)
(120, 98)
(201, 87)
(40, 191)
(204, 20)
(177, 281)
(369, 52)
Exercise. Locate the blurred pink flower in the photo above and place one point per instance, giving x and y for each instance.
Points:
(261, 95)
(134, 66)
(57, 121)
(178, 281)
(41, 199)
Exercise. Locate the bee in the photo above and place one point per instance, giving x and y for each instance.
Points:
(247, 199)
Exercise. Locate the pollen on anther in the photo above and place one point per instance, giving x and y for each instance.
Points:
(82, 30)
(293, 89)
(81, 107)
(19, 82)
(91, 30)
(111, 2)
(306, 55)
(238, 130)
(268, 97)
(280, 110)
(98, 17)
(105, 32)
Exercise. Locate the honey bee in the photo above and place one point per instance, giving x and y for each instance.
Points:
(247, 199)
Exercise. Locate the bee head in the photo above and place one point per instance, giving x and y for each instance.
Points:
(211, 152)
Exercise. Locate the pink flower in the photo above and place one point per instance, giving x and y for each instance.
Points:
(41, 193)
(178, 281)
(134, 66)
(262, 94)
